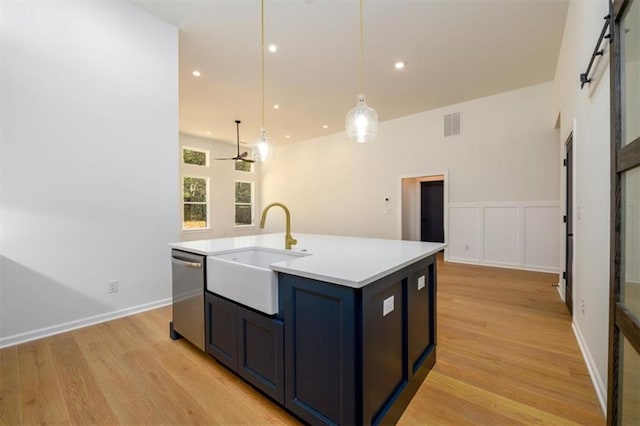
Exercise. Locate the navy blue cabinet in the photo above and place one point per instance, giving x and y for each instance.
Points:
(249, 343)
(384, 353)
(357, 356)
(221, 330)
(334, 354)
(261, 352)
(421, 303)
(320, 350)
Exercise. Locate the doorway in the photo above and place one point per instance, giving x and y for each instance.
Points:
(568, 267)
(432, 211)
(410, 221)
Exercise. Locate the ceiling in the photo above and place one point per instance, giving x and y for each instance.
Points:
(455, 50)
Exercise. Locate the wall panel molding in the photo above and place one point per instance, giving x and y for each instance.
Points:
(519, 235)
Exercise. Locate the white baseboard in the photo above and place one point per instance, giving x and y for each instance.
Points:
(560, 292)
(503, 265)
(598, 385)
(17, 339)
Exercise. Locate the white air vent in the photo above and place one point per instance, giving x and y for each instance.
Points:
(453, 124)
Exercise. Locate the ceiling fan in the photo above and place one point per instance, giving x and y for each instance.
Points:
(239, 156)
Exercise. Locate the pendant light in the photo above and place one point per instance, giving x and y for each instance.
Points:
(361, 123)
(263, 147)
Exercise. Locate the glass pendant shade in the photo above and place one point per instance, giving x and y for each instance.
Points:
(263, 147)
(361, 123)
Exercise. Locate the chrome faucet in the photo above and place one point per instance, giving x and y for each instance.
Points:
(288, 239)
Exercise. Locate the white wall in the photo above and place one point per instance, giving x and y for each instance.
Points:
(409, 204)
(507, 153)
(222, 175)
(586, 114)
(89, 140)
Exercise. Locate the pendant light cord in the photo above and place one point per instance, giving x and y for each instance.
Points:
(262, 58)
(361, 48)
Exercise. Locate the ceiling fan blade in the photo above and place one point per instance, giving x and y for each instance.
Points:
(244, 158)
(239, 156)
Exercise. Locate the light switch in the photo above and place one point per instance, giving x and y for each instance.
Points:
(421, 282)
(387, 306)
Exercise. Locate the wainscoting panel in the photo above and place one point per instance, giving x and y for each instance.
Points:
(541, 246)
(500, 232)
(464, 229)
(521, 235)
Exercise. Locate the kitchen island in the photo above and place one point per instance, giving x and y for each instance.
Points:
(354, 330)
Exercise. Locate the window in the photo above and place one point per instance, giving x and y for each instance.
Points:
(194, 201)
(243, 166)
(244, 203)
(195, 157)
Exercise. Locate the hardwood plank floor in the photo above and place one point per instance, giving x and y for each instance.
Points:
(506, 355)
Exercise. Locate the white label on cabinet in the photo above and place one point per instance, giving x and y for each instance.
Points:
(387, 306)
(421, 282)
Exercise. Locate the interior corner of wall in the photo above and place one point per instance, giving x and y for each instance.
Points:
(558, 119)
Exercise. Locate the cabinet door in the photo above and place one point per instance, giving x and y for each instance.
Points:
(320, 350)
(222, 330)
(261, 352)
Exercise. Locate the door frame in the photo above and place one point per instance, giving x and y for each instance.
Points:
(563, 206)
(423, 177)
(565, 263)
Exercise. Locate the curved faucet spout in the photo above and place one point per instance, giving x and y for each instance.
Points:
(288, 239)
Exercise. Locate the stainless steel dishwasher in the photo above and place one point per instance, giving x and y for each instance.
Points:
(188, 273)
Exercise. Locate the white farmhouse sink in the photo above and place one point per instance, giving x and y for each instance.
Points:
(244, 276)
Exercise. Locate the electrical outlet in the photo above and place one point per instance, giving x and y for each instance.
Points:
(112, 287)
(466, 247)
(421, 282)
(387, 306)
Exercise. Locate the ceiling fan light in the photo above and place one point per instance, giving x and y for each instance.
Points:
(263, 148)
(361, 123)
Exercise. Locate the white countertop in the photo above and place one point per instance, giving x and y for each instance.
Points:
(349, 261)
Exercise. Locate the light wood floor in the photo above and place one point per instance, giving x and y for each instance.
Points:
(506, 355)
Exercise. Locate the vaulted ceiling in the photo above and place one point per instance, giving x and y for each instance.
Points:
(454, 50)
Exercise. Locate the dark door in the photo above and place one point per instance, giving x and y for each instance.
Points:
(623, 390)
(432, 211)
(568, 286)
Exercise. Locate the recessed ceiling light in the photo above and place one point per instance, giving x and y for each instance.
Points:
(272, 48)
(287, 136)
(399, 65)
(276, 106)
(196, 73)
(325, 126)
(208, 133)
